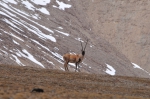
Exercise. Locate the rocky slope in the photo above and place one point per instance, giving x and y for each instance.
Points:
(39, 33)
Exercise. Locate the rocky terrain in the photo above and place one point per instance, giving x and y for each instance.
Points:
(38, 33)
(17, 82)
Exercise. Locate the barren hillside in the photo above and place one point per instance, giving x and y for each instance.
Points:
(38, 33)
(17, 82)
(124, 24)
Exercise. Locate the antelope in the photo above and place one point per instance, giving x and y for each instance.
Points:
(74, 58)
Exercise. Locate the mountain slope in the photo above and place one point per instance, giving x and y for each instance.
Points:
(38, 34)
(17, 82)
(124, 24)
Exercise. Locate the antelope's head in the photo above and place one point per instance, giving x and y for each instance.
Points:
(83, 49)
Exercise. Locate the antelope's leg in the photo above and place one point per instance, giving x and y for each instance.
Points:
(76, 66)
(66, 66)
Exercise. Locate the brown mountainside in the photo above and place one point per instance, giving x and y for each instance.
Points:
(38, 35)
(124, 24)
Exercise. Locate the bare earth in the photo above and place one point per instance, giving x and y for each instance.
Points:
(17, 83)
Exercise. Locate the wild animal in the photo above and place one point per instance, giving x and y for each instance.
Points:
(74, 58)
(37, 90)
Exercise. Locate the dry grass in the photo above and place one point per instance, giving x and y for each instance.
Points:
(17, 83)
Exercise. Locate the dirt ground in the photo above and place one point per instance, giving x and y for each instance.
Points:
(18, 82)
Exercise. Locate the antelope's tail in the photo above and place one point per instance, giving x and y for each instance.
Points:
(64, 58)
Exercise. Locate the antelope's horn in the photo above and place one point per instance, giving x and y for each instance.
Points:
(86, 44)
(81, 45)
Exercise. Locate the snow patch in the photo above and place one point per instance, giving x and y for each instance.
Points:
(5, 47)
(30, 57)
(22, 15)
(4, 52)
(57, 55)
(10, 1)
(60, 27)
(16, 42)
(72, 64)
(31, 7)
(90, 67)
(36, 31)
(84, 64)
(55, 48)
(17, 60)
(25, 24)
(110, 70)
(41, 2)
(138, 67)
(51, 63)
(44, 10)
(62, 68)
(28, 5)
(66, 34)
(12, 24)
(79, 39)
(62, 6)
(36, 16)
(14, 36)
(8, 12)
(40, 44)
(91, 45)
